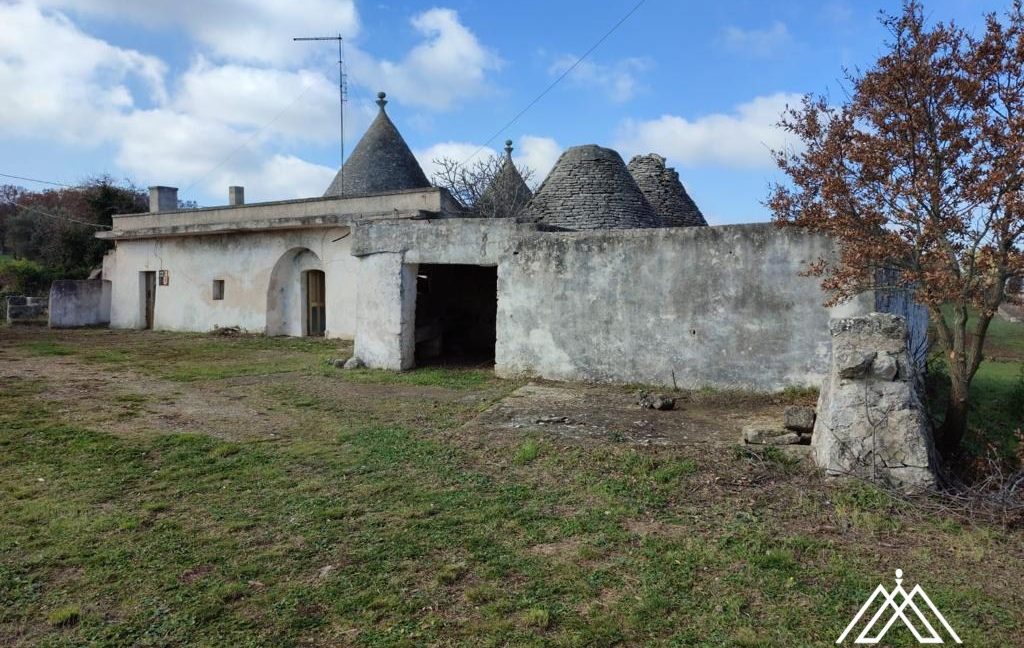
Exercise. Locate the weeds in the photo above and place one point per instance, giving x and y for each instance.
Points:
(527, 452)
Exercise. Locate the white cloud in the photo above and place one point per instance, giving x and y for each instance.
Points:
(449, 66)
(232, 114)
(61, 83)
(740, 139)
(458, 151)
(837, 11)
(618, 80)
(301, 104)
(285, 176)
(244, 30)
(183, 150)
(756, 42)
(538, 154)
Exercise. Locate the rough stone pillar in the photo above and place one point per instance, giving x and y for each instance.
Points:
(871, 422)
(236, 195)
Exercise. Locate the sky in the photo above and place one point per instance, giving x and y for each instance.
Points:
(203, 94)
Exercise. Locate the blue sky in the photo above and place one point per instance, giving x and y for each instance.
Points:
(201, 94)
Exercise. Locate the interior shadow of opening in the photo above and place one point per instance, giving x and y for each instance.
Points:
(456, 315)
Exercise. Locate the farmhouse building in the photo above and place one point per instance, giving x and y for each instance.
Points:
(608, 273)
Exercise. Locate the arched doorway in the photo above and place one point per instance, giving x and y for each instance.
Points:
(296, 296)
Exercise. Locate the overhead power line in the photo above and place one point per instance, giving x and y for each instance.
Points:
(554, 83)
(37, 180)
(41, 212)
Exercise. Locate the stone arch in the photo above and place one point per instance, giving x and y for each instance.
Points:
(286, 294)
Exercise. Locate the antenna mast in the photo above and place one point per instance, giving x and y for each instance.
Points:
(342, 96)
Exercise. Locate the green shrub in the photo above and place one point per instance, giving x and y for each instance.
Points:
(24, 277)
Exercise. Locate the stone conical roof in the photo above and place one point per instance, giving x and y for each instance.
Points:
(381, 162)
(508, 193)
(662, 188)
(590, 188)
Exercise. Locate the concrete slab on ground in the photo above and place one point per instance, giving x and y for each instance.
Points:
(602, 413)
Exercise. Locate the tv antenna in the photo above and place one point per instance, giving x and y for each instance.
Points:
(342, 95)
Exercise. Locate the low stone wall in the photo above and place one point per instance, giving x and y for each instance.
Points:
(25, 310)
(75, 304)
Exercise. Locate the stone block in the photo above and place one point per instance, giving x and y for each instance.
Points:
(799, 418)
(870, 420)
(769, 434)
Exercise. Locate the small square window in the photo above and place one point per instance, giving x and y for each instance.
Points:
(218, 289)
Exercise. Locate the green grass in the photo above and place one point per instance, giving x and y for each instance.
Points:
(996, 417)
(527, 452)
(67, 615)
(386, 525)
(47, 348)
(997, 407)
(449, 378)
(1005, 340)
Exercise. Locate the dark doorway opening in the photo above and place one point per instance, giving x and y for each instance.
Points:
(456, 314)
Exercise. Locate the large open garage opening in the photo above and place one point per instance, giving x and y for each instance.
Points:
(456, 314)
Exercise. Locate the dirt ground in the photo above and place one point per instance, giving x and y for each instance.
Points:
(602, 413)
(123, 400)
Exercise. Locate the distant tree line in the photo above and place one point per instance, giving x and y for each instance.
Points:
(50, 234)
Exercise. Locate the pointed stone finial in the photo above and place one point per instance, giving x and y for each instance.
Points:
(508, 149)
(381, 101)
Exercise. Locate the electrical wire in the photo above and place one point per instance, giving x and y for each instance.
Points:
(556, 81)
(37, 180)
(36, 210)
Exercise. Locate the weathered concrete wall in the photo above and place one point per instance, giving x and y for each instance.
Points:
(25, 310)
(385, 332)
(246, 262)
(75, 303)
(723, 307)
(309, 212)
(719, 306)
(389, 255)
(472, 241)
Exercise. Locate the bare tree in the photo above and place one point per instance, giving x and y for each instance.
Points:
(492, 187)
(920, 171)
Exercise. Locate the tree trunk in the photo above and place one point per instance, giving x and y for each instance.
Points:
(954, 425)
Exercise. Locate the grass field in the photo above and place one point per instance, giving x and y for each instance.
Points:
(997, 392)
(171, 490)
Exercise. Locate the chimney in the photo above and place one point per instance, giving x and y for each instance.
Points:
(163, 199)
(236, 195)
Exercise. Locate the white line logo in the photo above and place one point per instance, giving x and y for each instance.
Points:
(889, 603)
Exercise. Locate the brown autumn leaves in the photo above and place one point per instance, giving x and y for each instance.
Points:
(920, 170)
